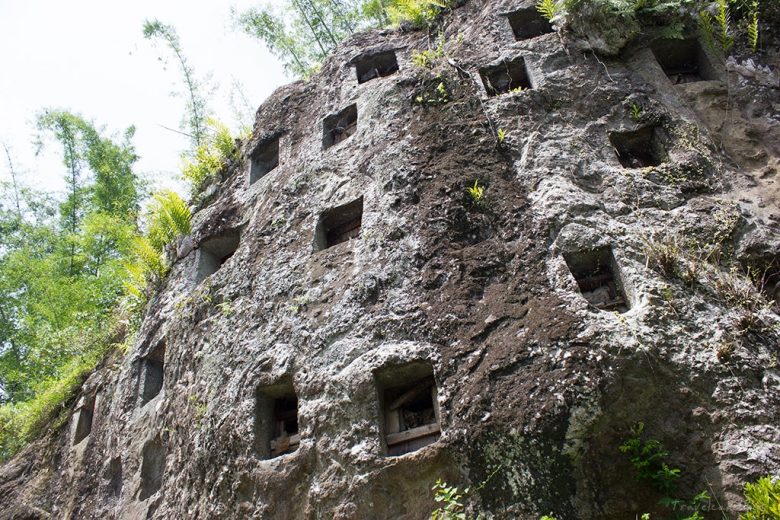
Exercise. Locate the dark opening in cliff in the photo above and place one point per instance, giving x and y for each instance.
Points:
(113, 477)
(339, 127)
(409, 411)
(598, 277)
(152, 373)
(639, 148)
(276, 420)
(339, 224)
(84, 417)
(264, 159)
(506, 77)
(376, 65)
(215, 251)
(683, 61)
(528, 23)
(152, 468)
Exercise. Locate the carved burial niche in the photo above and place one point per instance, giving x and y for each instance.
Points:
(639, 148)
(528, 23)
(152, 468)
(264, 159)
(338, 225)
(598, 277)
(506, 77)
(377, 65)
(113, 477)
(152, 373)
(276, 420)
(84, 415)
(339, 127)
(215, 251)
(409, 409)
(683, 61)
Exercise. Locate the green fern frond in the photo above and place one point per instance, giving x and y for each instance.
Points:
(548, 8)
(150, 260)
(752, 28)
(707, 30)
(169, 218)
(135, 280)
(724, 26)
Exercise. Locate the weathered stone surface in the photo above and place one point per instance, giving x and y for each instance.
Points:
(536, 388)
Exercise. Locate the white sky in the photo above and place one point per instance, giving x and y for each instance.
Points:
(90, 57)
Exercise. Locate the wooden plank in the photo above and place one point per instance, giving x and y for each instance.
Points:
(414, 433)
(284, 444)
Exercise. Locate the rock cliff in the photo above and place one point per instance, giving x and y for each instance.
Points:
(347, 323)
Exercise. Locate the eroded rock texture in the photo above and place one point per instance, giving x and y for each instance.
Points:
(356, 262)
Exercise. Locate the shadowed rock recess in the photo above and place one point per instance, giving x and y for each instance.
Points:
(350, 326)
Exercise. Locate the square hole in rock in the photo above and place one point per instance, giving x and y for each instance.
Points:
(152, 468)
(339, 127)
(598, 277)
(409, 409)
(506, 77)
(376, 65)
(84, 416)
(339, 224)
(276, 420)
(152, 373)
(264, 159)
(528, 23)
(683, 61)
(639, 148)
(214, 252)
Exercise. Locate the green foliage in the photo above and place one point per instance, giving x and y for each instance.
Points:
(717, 29)
(54, 252)
(476, 194)
(649, 460)
(752, 26)
(434, 92)
(501, 135)
(168, 218)
(721, 33)
(548, 517)
(417, 13)
(196, 113)
(217, 148)
(109, 184)
(636, 111)
(450, 500)
(548, 8)
(763, 499)
(428, 58)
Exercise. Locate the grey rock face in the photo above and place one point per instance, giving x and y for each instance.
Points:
(292, 310)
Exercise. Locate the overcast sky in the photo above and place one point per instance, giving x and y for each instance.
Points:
(90, 57)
